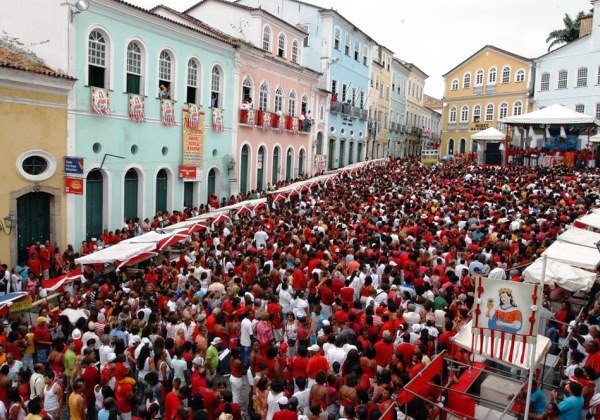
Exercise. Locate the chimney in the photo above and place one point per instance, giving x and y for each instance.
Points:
(585, 25)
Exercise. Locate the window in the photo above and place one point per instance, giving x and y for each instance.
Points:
(281, 46)
(451, 146)
(464, 114)
(191, 96)
(506, 75)
(279, 99)
(266, 41)
(344, 91)
(357, 51)
(545, 82)
(337, 39)
(582, 74)
(347, 45)
(598, 77)
(462, 146)
(362, 99)
(134, 68)
(334, 87)
(263, 97)
(489, 112)
(304, 105)
(492, 76)
(165, 72)
(292, 104)
(215, 88)
(598, 111)
(34, 165)
(452, 116)
(580, 108)
(520, 76)
(97, 60)
(503, 110)
(563, 75)
(479, 77)
(518, 108)
(295, 51)
(247, 90)
(454, 85)
(366, 59)
(353, 96)
(467, 81)
(477, 113)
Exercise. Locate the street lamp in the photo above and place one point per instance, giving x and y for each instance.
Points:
(78, 7)
(10, 223)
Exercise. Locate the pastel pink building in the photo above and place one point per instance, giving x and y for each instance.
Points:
(276, 95)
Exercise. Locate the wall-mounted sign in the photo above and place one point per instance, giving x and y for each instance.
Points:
(73, 185)
(73, 165)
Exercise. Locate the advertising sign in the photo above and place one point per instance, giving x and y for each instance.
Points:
(73, 165)
(193, 139)
(73, 185)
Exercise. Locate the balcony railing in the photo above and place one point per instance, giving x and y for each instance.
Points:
(335, 107)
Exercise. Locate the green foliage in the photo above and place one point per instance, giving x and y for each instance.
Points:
(569, 33)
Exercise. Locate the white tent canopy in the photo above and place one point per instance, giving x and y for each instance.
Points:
(118, 252)
(554, 114)
(592, 220)
(581, 237)
(563, 275)
(489, 134)
(576, 255)
(595, 138)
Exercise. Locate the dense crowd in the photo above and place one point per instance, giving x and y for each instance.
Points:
(323, 305)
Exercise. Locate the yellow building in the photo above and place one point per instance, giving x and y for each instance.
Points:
(33, 117)
(486, 87)
(379, 102)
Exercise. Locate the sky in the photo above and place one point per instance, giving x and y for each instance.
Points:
(437, 35)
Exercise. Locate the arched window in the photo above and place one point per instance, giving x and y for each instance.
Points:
(348, 44)
(451, 146)
(506, 75)
(266, 40)
(134, 68)
(281, 46)
(454, 85)
(477, 113)
(191, 94)
(165, 74)
(292, 104)
(503, 110)
(304, 105)
(492, 76)
(278, 100)
(263, 97)
(97, 62)
(489, 112)
(247, 90)
(462, 146)
(295, 52)
(452, 116)
(479, 77)
(520, 76)
(464, 114)
(215, 88)
(467, 81)
(518, 108)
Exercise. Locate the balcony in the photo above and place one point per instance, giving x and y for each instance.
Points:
(248, 116)
(335, 107)
(363, 114)
(355, 112)
(403, 129)
(478, 90)
(491, 89)
(463, 126)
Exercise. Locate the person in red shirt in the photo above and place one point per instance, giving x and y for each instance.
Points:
(417, 365)
(406, 349)
(173, 402)
(229, 407)
(593, 359)
(327, 298)
(91, 378)
(35, 265)
(274, 310)
(384, 349)
(287, 409)
(316, 364)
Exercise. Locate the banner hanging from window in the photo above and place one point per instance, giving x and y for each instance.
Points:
(295, 124)
(217, 119)
(136, 108)
(167, 113)
(193, 117)
(100, 101)
(193, 138)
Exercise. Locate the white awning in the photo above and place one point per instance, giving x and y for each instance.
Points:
(576, 255)
(554, 114)
(118, 252)
(592, 220)
(561, 274)
(581, 237)
(489, 134)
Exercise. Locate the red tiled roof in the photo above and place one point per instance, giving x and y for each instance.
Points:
(20, 61)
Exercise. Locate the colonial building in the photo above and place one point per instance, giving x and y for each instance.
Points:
(341, 52)
(400, 74)
(570, 74)
(379, 102)
(415, 109)
(274, 94)
(486, 87)
(432, 127)
(33, 116)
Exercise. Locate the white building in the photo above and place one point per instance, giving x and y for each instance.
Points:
(570, 75)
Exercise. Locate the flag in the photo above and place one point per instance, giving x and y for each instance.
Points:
(136, 108)
(100, 101)
(217, 122)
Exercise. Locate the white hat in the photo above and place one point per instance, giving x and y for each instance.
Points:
(326, 323)
(76, 334)
(314, 347)
(111, 357)
(91, 325)
(283, 401)
(134, 340)
(216, 341)
(198, 361)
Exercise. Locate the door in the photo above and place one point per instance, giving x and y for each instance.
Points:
(130, 196)
(301, 162)
(493, 154)
(33, 213)
(211, 182)
(244, 170)
(260, 169)
(342, 154)
(188, 194)
(275, 170)
(351, 153)
(161, 190)
(330, 154)
(360, 152)
(289, 165)
(94, 204)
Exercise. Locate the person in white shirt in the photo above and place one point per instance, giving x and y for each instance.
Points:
(302, 394)
(246, 333)
(91, 334)
(496, 272)
(260, 238)
(285, 298)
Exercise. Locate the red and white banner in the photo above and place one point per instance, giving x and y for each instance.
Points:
(295, 124)
(100, 101)
(266, 120)
(167, 113)
(217, 119)
(193, 117)
(136, 108)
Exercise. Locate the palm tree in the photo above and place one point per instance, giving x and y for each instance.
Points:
(568, 34)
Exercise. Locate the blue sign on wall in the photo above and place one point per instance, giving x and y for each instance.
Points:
(73, 165)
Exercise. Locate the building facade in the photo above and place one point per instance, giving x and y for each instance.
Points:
(415, 109)
(570, 75)
(486, 87)
(33, 114)
(379, 103)
(400, 74)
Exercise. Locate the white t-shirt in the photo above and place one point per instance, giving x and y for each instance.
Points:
(246, 333)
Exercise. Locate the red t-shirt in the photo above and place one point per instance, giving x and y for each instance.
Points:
(172, 404)
(123, 394)
(384, 352)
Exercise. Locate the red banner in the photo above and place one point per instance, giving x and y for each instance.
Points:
(187, 172)
(74, 186)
